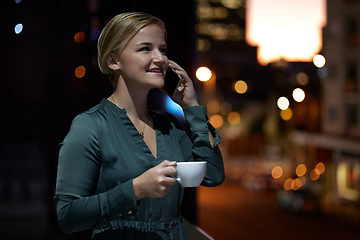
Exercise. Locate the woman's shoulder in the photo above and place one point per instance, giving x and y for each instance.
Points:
(93, 115)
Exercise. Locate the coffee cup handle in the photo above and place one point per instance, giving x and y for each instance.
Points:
(177, 179)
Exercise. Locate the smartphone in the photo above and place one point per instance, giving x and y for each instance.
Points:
(172, 81)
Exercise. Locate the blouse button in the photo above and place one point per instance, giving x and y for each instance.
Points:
(130, 212)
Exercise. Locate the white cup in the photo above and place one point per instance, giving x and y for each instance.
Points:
(190, 174)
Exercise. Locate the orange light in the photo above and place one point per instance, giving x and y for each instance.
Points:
(300, 170)
(277, 172)
(302, 180)
(314, 174)
(234, 118)
(240, 87)
(296, 184)
(286, 114)
(213, 107)
(216, 120)
(80, 71)
(320, 167)
(287, 184)
(79, 37)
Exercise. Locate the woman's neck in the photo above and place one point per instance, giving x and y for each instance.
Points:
(134, 101)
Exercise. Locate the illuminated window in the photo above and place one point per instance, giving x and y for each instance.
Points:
(344, 174)
(280, 30)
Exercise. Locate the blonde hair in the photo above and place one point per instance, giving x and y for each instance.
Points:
(118, 32)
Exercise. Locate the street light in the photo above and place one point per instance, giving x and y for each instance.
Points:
(283, 103)
(298, 95)
(319, 60)
(203, 74)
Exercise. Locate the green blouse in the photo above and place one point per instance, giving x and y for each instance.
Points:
(102, 154)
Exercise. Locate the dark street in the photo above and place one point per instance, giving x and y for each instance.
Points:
(230, 212)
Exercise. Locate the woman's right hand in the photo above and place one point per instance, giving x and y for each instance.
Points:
(155, 182)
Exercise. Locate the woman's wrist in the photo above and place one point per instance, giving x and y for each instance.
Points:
(137, 189)
(191, 104)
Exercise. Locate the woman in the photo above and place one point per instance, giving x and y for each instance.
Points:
(116, 165)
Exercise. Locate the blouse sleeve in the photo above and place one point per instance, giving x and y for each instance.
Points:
(202, 150)
(78, 205)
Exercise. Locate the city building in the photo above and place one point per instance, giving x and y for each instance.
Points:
(337, 145)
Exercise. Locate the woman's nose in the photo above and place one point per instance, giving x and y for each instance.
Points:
(158, 56)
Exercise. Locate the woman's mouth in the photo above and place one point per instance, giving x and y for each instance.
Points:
(155, 71)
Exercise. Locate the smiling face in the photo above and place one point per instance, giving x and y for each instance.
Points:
(143, 61)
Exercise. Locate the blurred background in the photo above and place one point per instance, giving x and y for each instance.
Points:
(280, 79)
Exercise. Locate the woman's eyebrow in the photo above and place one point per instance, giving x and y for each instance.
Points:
(144, 43)
(149, 44)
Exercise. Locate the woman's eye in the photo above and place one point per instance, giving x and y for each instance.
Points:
(163, 51)
(144, 49)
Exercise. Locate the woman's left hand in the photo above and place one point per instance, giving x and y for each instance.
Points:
(185, 95)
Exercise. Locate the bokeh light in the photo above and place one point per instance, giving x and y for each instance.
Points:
(314, 174)
(213, 106)
(225, 108)
(286, 114)
(300, 170)
(80, 71)
(18, 28)
(298, 95)
(277, 172)
(203, 74)
(216, 120)
(287, 184)
(283, 103)
(319, 60)
(296, 184)
(320, 167)
(79, 37)
(302, 78)
(240, 86)
(234, 118)
(303, 180)
(233, 4)
(203, 45)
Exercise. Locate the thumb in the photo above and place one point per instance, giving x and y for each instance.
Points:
(164, 163)
(167, 163)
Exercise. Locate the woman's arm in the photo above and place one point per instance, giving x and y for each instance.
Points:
(202, 148)
(204, 136)
(79, 206)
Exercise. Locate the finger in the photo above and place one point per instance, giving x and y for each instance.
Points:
(164, 163)
(169, 171)
(173, 163)
(169, 181)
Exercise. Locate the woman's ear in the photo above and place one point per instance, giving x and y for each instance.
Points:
(113, 61)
